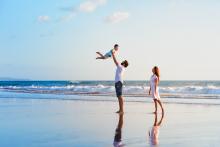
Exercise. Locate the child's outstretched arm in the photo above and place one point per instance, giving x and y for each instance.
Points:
(114, 59)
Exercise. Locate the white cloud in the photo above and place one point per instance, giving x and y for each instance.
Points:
(91, 5)
(68, 17)
(87, 6)
(71, 13)
(117, 17)
(43, 18)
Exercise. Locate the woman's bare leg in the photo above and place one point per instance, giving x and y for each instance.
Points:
(160, 105)
(155, 104)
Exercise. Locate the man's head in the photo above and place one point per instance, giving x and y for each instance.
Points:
(125, 63)
(116, 47)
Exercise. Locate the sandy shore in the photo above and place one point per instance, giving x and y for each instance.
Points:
(69, 123)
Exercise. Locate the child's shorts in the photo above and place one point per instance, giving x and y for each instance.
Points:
(108, 55)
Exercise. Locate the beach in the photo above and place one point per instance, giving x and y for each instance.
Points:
(83, 123)
(109, 73)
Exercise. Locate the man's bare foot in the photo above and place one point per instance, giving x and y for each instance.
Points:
(120, 112)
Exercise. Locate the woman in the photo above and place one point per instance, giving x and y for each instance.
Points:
(154, 131)
(154, 90)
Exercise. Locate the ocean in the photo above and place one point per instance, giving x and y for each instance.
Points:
(205, 92)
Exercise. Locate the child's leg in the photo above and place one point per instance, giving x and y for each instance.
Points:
(101, 56)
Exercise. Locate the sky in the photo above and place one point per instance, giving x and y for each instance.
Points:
(58, 39)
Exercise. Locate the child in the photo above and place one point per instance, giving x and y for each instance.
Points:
(154, 90)
(109, 54)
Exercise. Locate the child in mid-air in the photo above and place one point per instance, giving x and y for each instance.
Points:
(109, 54)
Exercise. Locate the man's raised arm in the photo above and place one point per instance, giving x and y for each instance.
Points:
(114, 58)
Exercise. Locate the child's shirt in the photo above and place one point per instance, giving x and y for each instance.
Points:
(109, 54)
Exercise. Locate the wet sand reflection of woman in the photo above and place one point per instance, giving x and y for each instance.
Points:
(118, 132)
(154, 132)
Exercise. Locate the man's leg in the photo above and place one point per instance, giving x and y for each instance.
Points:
(121, 104)
(118, 89)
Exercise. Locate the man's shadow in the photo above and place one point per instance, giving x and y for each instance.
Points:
(118, 132)
(154, 131)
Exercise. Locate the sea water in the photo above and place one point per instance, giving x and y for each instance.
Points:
(205, 92)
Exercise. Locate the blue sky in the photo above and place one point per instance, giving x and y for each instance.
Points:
(57, 39)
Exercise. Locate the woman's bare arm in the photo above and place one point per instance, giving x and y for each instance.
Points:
(156, 83)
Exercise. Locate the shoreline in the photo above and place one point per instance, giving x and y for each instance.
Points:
(184, 101)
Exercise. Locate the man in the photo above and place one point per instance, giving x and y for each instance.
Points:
(118, 132)
(119, 81)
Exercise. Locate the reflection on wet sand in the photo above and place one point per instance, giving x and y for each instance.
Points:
(154, 132)
(118, 132)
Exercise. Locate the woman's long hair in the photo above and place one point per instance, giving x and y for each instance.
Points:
(157, 72)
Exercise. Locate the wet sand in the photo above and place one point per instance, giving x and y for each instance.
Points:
(72, 123)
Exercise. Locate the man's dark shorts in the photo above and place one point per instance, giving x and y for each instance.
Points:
(118, 88)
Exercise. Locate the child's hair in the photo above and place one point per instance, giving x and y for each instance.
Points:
(157, 72)
(116, 45)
